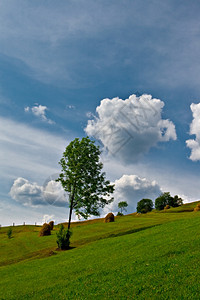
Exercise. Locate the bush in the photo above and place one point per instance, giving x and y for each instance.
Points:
(45, 230)
(51, 224)
(63, 238)
(144, 206)
(9, 233)
(109, 218)
(119, 213)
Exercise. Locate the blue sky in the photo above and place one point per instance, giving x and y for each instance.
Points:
(58, 61)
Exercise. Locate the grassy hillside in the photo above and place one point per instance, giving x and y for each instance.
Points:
(153, 256)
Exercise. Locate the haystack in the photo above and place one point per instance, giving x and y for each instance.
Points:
(109, 218)
(51, 224)
(45, 230)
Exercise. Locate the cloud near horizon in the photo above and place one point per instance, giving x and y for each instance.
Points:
(130, 128)
(132, 188)
(32, 194)
(194, 144)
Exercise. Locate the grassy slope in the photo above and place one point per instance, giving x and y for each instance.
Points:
(160, 262)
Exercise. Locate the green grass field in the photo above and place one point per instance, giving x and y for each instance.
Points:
(152, 256)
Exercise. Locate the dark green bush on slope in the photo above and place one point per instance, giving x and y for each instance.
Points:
(63, 238)
(9, 233)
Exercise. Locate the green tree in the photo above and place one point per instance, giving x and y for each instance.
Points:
(122, 205)
(82, 178)
(144, 206)
(177, 201)
(163, 200)
(166, 199)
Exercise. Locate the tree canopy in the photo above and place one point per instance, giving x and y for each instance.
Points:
(144, 206)
(122, 205)
(83, 180)
(166, 199)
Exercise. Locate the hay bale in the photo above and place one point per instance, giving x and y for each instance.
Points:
(197, 208)
(45, 230)
(51, 224)
(167, 206)
(109, 218)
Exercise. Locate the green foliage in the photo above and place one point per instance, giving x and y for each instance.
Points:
(166, 199)
(119, 213)
(9, 232)
(122, 205)
(177, 201)
(63, 238)
(82, 178)
(144, 206)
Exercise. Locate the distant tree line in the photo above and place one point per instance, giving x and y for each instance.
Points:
(165, 200)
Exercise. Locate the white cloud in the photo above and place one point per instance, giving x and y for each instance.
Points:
(27, 109)
(132, 188)
(25, 192)
(32, 194)
(129, 128)
(70, 106)
(194, 144)
(27, 152)
(40, 112)
(90, 115)
(47, 218)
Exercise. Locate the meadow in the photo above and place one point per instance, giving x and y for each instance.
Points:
(151, 256)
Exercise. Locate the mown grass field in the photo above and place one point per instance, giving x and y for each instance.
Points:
(152, 256)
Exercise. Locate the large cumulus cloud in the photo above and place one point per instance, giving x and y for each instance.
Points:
(132, 188)
(129, 128)
(194, 144)
(31, 194)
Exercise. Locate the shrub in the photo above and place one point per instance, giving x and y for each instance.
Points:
(45, 230)
(119, 213)
(167, 206)
(109, 218)
(51, 224)
(9, 233)
(144, 206)
(63, 238)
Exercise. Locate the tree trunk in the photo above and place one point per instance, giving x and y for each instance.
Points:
(70, 211)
